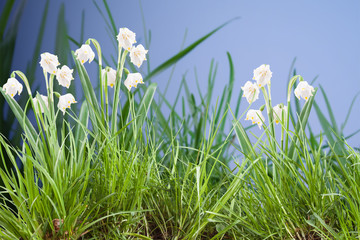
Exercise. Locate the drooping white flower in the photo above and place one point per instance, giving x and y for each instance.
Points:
(49, 62)
(251, 91)
(45, 100)
(138, 55)
(65, 101)
(132, 80)
(255, 116)
(304, 90)
(12, 86)
(126, 38)
(111, 76)
(64, 76)
(262, 75)
(85, 53)
(279, 111)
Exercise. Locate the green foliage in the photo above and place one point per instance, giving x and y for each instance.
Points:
(124, 170)
(8, 35)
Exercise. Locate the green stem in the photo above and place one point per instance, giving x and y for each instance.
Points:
(106, 99)
(98, 49)
(49, 93)
(282, 130)
(121, 62)
(268, 108)
(51, 97)
(291, 83)
(271, 117)
(25, 80)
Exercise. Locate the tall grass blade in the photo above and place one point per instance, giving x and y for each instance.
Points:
(301, 123)
(184, 52)
(145, 104)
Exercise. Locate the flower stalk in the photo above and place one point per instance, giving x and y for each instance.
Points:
(121, 62)
(291, 84)
(101, 80)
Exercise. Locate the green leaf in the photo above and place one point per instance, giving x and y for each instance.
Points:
(228, 93)
(145, 104)
(21, 117)
(243, 138)
(349, 111)
(300, 125)
(83, 120)
(8, 36)
(330, 133)
(322, 222)
(331, 114)
(5, 14)
(89, 93)
(113, 26)
(184, 52)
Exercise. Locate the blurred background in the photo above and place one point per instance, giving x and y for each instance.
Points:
(322, 35)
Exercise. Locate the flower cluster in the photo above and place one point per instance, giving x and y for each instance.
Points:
(64, 75)
(49, 63)
(126, 39)
(251, 91)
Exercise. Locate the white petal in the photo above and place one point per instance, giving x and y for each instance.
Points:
(49, 62)
(126, 38)
(85, 53)
(12, 87)
(262, 75)
(65, 101)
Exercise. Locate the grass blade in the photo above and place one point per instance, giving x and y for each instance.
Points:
(184, 52)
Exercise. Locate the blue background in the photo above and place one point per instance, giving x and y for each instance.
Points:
(324, 36)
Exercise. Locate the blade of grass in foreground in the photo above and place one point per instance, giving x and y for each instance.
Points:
(228, 93)
(302, 120)
(349, 111)
(145, 104)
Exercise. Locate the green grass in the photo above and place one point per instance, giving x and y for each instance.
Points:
(9, 25)
(131, 172)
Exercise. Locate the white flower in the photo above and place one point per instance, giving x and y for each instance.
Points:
(45, 100)
(138, 55)
(255, 116)
(126, 38)
(279, 111)
(12, 86)
(49, 62)
(262, 75)
(304, 90)
(85, 53)
(64, 76)
(111, 76)
(65, 101)
(132, 80)
(251, 91)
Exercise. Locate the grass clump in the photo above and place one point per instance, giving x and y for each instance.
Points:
(123, 170)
